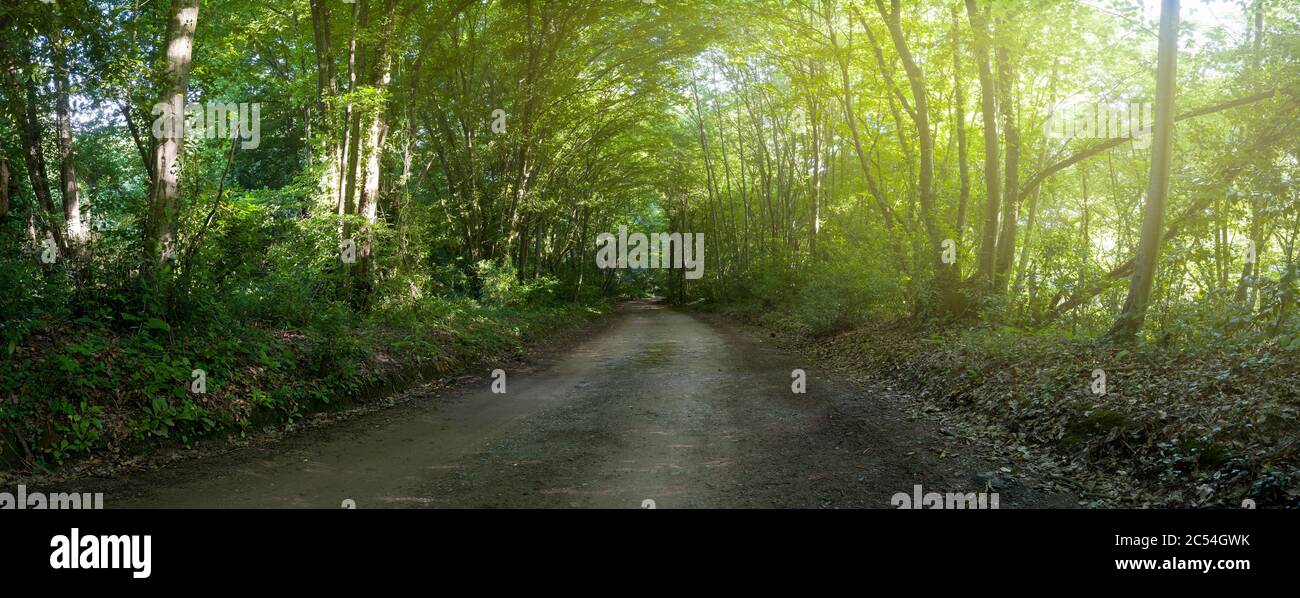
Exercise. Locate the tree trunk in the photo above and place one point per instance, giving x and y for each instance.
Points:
(992, 178)
(1132, 316)
(814, 179)
(346, 160)
(959, 117)
(63, 115)
(851, 118)
(1247, 282)
(1006, 245)
(1032, 221)
(945, 274)
(327, 90)
(352, 124)
(23, 110)
(165, 197)
(375, 66)
(5, 193)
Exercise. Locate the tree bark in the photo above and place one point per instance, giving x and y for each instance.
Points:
(375, 65)
(165, 197)
(992, 179)
(4, 189)
(959, 118)
(1130, 319)
(1031, 223)
(1006, 245)
(945, 274)
(327, 90)
(1247, 282)
(74, 230)
(23, 110)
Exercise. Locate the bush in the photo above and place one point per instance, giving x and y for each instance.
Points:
(500, 286)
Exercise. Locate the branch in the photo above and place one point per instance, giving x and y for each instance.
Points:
(1175, 228)
(216, 203)
(124, 108)
(1112, 143)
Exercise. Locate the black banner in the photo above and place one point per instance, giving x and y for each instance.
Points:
(236, 549)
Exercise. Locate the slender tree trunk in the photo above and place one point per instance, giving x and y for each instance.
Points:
(864, 163)
(327, 91)
(710, 177)
(814, 179)
(1006, 245)
(23, 110)
(347, 161)
(1132, 316)
(5, 191)
(992, 179)
(1247, 282)
(1032, 222)
(851, 118)
(63, 115)
(357, 68)
(959, 118)
(945, 274)
(735, 262)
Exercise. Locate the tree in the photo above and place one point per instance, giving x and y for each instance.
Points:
(63, 112)
(327, 92)
(992, 178)
(1006, 245)
(21, 89)
(1130, 319)
(5, 192)
(165, 196)
(945, 273)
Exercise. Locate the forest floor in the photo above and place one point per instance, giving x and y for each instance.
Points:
(1209, 425)
(650, 403)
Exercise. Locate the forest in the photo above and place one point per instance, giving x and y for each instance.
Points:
(1071, 228)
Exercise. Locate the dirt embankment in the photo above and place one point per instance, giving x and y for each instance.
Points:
(1199, 427)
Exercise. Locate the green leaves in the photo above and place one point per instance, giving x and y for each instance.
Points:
(157, 324)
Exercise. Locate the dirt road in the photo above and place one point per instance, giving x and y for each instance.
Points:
(659, 405)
